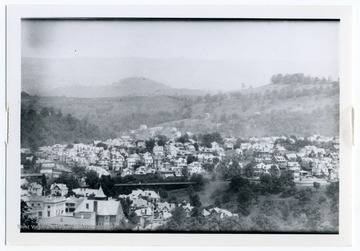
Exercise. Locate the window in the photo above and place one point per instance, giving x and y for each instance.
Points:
(32, 204)
(87, 205)
(48, 213)
(40, 214)
(38, 204)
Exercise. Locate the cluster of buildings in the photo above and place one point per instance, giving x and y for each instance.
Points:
(87, 210)
(154, 212)
(125, 156)
(310, 163)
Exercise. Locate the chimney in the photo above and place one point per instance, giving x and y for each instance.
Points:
(95, 206)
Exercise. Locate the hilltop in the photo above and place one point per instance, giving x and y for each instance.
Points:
(274, 109)
(133, 86)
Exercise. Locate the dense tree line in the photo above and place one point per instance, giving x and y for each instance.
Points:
(49, 127)
(300, 78)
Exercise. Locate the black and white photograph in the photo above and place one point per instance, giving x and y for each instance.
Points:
(180, 125)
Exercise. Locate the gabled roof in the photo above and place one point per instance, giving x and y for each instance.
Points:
(60, 186)
(99, 193)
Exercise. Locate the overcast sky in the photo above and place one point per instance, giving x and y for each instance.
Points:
(234, 41)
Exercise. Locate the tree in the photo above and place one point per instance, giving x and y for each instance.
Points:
(26, 222)
(304, 196)
(100, 144)
(162, 140)
(226, 198)
(92, 179)
(79, 171)
(199, 181)
(163, 193)
(263, 223)
(43, 183)
(190, 159)
(195, 200)
(249, 171)
(274, 171)
(108, 185)
(178, 217)
(185, 172)
(133, 218)
(150, 145)
(316, 185)
(237, 183)
(126, 204)
(69, 180)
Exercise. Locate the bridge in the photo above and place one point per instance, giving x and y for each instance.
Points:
(25, 175)
(155, 184)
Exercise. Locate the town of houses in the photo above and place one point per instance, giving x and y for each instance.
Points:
(92, 209)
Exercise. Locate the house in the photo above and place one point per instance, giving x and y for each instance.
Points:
(215, 145)
(166, 174)
(136, 194)
(58, 189)
(291, 157)
(148, 160)
(294, 167)
(131, 162)
(35, 189)
(159, 219)
(99, 170)
(221, 213)
(279, 150)
(86, 192)
(50, 170)
(140, 170)
(158, 150)
(117, 163)
(141, 144)
(187, 209)
(139, 203)
(158, 161)
(320, 169)
(126, 172)
(145, 214)
(46, 206)
(151, 196)
(177, 171)
(108, 213)
(195, 168)
(205, 213)
(280, 160)
(71, 204)
(150, 169)
(229, 146)
(165, 207)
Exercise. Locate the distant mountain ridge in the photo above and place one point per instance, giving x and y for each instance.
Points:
(42, 76)
(133, 86)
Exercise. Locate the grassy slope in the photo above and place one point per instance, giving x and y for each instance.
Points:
(119, 114)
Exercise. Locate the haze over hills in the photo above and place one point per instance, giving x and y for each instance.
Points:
(275, 109)
(44, 76)
(134, 86)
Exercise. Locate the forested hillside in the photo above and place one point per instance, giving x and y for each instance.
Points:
(297, 108)
(50, 126)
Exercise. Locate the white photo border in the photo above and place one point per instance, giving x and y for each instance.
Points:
(13, 40)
